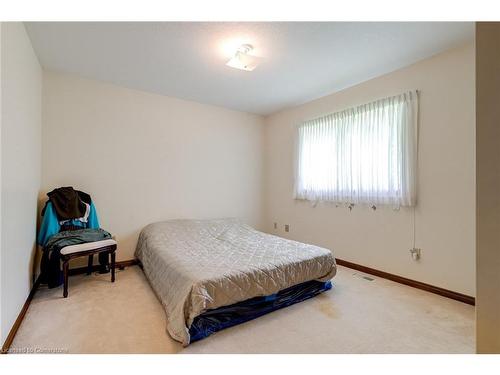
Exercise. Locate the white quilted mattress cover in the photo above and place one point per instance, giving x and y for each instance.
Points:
(196, 265)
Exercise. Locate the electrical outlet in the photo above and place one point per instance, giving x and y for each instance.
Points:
(416, 253)
(287, 228)
(275, 225)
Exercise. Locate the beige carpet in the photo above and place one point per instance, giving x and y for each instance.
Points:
(357, 316)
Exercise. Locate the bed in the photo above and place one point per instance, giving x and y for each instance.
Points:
(212, 274)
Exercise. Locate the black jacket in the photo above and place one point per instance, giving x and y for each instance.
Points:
(68, 202)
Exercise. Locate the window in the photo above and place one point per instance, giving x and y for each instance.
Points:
(361, 155)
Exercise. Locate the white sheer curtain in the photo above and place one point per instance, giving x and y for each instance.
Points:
(362, 155)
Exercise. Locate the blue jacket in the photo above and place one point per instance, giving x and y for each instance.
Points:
(50, 223)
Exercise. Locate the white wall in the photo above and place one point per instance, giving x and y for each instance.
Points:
(444, 216)
(145, 157)
(21, 87)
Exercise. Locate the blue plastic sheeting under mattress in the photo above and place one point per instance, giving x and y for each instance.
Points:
(214, 320)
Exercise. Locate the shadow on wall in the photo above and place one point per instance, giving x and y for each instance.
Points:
(36, 254)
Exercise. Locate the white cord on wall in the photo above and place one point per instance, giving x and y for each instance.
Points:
(414, 251)
(414, 227)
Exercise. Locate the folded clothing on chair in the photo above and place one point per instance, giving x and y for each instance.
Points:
(51, 258)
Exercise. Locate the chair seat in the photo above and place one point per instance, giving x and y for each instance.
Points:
(87, 246)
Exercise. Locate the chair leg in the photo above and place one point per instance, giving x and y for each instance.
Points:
(65, 275)
(90, 264)
(113, 256)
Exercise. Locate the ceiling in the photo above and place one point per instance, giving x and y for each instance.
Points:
(300, 61)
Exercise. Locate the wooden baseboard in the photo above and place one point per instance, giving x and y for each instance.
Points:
(75, 271)
(119, 264)
(127, 263)
(413, 283)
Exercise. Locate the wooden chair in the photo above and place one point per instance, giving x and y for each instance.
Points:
(87, 249)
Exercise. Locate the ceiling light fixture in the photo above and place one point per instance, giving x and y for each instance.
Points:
(242, 60)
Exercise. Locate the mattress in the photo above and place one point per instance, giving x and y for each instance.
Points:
(223, 317)
(199, 265)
